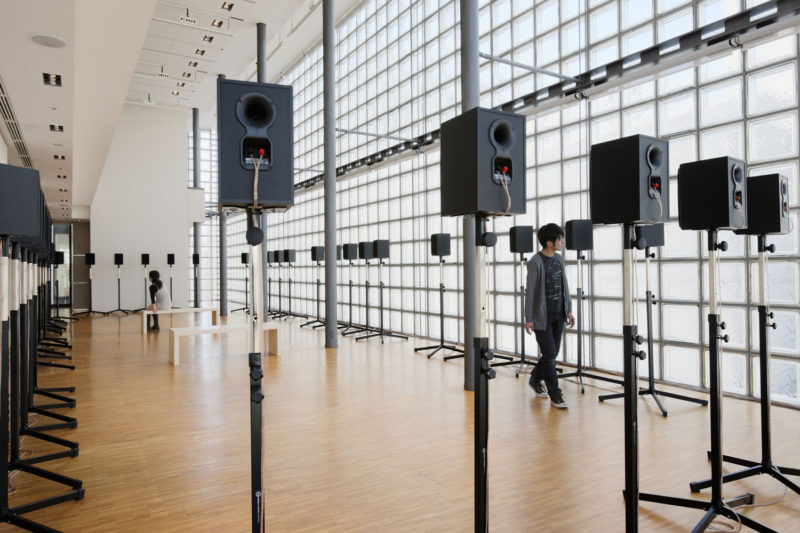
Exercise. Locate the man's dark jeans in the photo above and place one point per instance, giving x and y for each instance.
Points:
(549, 340)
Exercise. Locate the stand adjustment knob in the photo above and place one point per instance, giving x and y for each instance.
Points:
(653, 298)
(256, 396)
(256, 373)
(722, 245)
(640, 354)
(638, 339)
(722, 325)
(652, 255)
(770, 248)
(724, 338)
(490, 373)
(771, 314)
(773, 325)
(488, 355)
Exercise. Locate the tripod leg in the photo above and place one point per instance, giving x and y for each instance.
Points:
(709, 517)
(658, 402)
(786, 481)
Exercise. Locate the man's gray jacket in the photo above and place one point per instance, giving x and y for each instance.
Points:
(536, 296)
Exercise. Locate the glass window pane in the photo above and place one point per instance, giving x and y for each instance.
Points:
(772, 89)
(681, 323)
(682, 365)
(678, 113)
(773, 137)
(721, 102)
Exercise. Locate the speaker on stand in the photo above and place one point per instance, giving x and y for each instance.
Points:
(317, 256)
(350, 254)
(89, 261)
(171, 263)
(118, 260)
(196, 268)
(145, 263)
(380, 248)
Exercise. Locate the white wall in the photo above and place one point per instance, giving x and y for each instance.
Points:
(140, 206)
(3, 151)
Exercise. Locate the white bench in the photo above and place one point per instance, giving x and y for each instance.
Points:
(148, 312)
(175, 334)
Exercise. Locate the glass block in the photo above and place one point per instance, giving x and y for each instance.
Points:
(550, 211)
(605, 128)
(549, 179)
(773, 137)
(675, 24)
(607, 280)
(728, 63)
(603, 23)
(572, 8)
(784, 378)
(637, 40)
(608, 353)
(682, 365)
(575, 174)
(771, 52)
(546, 16)
(607, 242)
(574, 140)
(734, 372)
(723, 141)
(548, 121)
(680, 281)
(677, 113)
(573, 37)
(644, 370)
(721, 102)
(783, 282)
(547, 48)
(772, 89)
(639, 120)
(608, 317)
(681, 150)
(731, 282)
(678, 243)
(634, 12)
(604, 53)
(604, 104)
(640, 92)
(675, 80)
(668, 5)
(681, 323)
(548, 146)
(713, 10)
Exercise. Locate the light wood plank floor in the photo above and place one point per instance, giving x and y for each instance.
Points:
(367, 438)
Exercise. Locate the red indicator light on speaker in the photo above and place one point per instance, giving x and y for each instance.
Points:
(655, 185)
(505, 170)
(261, 152)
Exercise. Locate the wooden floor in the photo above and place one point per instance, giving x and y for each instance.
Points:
(368, 438)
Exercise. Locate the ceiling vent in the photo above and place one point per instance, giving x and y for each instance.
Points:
(12, 126)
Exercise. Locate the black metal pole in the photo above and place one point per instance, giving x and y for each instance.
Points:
(483, 373)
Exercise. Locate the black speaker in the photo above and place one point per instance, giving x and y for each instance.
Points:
(767, 205)
(170, 259)
(440, 244)
(366, 250)
(289, 256)
(318, 253)
(270, 257)
(245, 258)
(481, 149)
(58, 258)
(650, 235)
(578, 234)
(278, 256)
(118, 259)
(255, 120)
(629, 180)
(88, 259)
(338, 252)
(521, 239)
(380, 248)
(712, 194)
(145, 259)
(350, 251)
(195, 259)
(19, 201)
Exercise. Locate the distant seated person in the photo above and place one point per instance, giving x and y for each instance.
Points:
(159, 298)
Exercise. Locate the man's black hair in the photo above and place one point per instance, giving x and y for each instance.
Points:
(549, 233)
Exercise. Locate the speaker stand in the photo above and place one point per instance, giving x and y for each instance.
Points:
(171, 293)
(765, 466)
(441, 345)
(381, 332)
(144, 267)
(246, 307)
(365, 328)
(119, 308)
(349, 328)
(522, 361)
(289, 313)
(651, 386)
(58, 316)
(90, 311)
(318, 321)
(717, 506)
(279, 312)
(483, 373)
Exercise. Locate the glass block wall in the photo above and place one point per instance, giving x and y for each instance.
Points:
(398, 74)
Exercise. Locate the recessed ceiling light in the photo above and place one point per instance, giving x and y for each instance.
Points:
(53, 80)
(216, 23)
(62, 190)
(227, 6)
(187, 74)
(175, 93)
(192, 63)
(50, 41)
(208, 38)
(181, 84)
(199, 52)
(61, 177)
(56, 127)
(61, 157)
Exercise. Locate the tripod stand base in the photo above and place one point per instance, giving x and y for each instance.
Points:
(713, 509)
(382, 334)
(319, 323)
(23, 523)
(91, 313)
(437, 347)
(753, 469)
(655, 394)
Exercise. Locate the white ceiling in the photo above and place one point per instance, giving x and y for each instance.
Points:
(114, 54)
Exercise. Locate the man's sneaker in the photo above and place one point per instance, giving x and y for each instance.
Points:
(538, 388)
(558, 401)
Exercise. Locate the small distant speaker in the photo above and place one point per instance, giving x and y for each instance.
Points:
(712, 194)
(521, 239)
(350, 251)
(245, 258)
(366, 250)
(88, 259)
(170, 259)
(440, 244)
(270, 257)
(19, 201)
(278, 256)
(481, 149)
(58, 258)
(118, 259)
(318, 253)
(767, 205)
(289, 256)
(255, 120)
(628, 178)
(578, 234)
(650, 235)
(145, 259)
(380, 248)
(195, 259)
